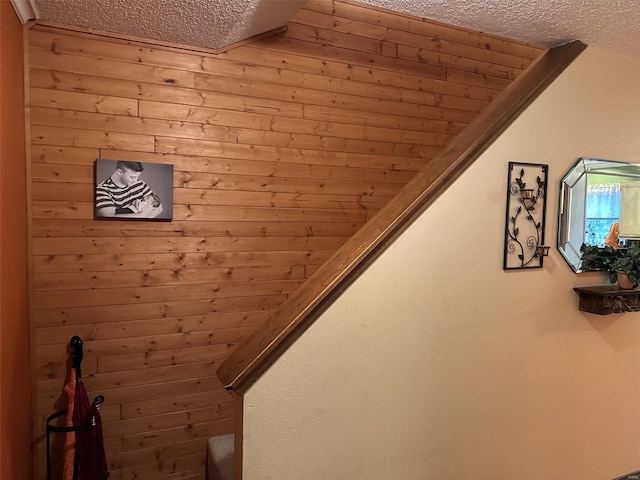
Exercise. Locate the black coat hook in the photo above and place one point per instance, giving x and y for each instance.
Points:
(76, 354)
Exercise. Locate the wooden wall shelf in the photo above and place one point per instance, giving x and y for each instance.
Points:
(604, 300)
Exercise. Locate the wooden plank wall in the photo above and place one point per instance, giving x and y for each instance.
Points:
(282, 149)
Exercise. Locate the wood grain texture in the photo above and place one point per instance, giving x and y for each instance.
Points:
(283, 148)
(253, 356)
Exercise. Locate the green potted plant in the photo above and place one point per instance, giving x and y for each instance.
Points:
(613, 261)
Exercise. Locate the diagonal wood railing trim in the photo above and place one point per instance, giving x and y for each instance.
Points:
(246, 363)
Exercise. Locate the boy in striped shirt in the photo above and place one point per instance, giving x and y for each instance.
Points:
(124, 195)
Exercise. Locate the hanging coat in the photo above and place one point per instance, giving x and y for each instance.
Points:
(91, 463)
(69, 446)
(89, 460)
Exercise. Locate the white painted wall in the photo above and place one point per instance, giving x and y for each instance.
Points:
(438, 365)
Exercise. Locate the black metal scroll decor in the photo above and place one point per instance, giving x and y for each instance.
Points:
(524, 226)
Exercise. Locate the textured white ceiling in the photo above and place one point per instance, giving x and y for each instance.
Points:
(613, 24)
(200, 23)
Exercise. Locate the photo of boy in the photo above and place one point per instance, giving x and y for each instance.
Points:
(123, 194)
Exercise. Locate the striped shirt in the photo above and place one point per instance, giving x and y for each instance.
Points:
(108, 194)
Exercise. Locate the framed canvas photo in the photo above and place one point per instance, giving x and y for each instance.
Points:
(130, 190)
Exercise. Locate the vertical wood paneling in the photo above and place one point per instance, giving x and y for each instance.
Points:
(281, 148)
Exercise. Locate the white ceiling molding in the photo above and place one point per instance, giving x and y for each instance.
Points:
(26, 10)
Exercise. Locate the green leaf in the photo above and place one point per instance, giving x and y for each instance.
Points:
(607, 259)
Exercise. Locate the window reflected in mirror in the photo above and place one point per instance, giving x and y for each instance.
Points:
(602, 210)
(599, 205)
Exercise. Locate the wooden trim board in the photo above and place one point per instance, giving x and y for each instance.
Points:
(247, 363)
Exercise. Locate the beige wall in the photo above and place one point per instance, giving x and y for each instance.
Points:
(437, 364)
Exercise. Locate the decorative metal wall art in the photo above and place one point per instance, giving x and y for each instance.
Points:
(526, 209)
